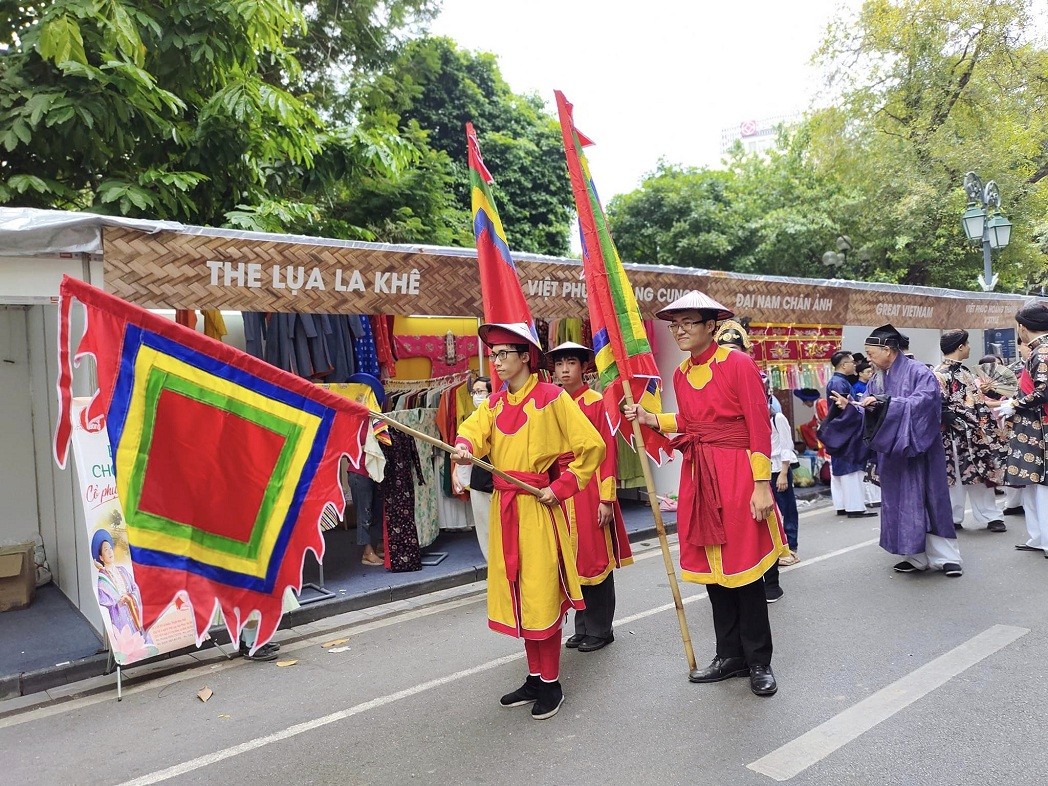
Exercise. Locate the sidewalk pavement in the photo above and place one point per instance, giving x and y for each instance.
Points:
(51, 644)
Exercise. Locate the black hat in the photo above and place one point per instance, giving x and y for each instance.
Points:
(807, 395)
(952, 340)
(887, 336)
(1034, 316)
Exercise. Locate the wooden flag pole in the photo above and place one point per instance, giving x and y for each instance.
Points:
(450, 449)
(671, 573)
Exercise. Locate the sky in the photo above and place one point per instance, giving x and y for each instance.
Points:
(653, 79)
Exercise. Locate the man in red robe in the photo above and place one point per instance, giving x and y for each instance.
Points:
(729, 530)
(598, 532)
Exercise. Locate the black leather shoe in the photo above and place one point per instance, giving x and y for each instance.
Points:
(997, 526)
(905, 567)
(841, 512)
(861, 515)
(574, 641)
(594, 643)
(720, 669)
(762, 681)
(772, 593)
(1018, 510)
(952, 569)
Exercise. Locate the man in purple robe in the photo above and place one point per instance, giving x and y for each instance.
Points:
(903, 409)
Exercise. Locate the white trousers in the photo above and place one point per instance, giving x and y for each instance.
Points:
(847, 493)
(984, 503)
(871, 493)
(937, 552)
(481, 503)
(1013, 497)
(1035, 500)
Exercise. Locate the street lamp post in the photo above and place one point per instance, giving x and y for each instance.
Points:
(983, 221)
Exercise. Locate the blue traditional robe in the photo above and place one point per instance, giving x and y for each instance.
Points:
(906, 434)
(849, 454)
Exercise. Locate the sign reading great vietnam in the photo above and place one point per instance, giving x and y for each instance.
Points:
(199, 271)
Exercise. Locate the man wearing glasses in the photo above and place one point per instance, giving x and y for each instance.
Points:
(729, 531)
(532, 580)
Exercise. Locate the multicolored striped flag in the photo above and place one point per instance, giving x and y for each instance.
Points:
(500, 288)
(223, 463)
(621, 348)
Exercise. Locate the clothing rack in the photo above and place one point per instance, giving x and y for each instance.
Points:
(431, 382)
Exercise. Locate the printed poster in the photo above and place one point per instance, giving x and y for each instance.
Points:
(118, 594)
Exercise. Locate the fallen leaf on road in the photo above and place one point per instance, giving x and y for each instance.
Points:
(205, 693)
(338, 649)
(291, 662)
(334, 643)
(225, 716)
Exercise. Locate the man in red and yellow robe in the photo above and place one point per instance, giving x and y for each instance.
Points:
(523, 429)
(598, 532)
(729, 530)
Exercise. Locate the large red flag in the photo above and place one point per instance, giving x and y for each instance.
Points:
(223, 463)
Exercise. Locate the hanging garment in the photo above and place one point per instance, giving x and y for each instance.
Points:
(214, 323)
(427, 515)
(403, 553)
(364, 346)
(382, 330)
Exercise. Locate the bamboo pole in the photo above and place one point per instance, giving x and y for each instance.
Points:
(450, 449)
(671, 573)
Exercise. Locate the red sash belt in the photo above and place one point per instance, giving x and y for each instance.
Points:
(699, 502)
(509, 515)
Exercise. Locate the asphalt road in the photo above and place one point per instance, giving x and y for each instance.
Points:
(884, 679)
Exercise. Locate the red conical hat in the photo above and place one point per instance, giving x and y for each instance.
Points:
(494, 333)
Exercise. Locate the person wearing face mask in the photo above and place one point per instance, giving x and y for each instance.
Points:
(598, 531)
(480, 486)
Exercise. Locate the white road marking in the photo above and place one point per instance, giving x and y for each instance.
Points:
(193, 672)
(300, 728)
(812, 747)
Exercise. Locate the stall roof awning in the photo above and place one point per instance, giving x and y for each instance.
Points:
(25, 232)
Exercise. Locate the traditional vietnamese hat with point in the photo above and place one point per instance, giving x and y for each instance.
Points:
(695, 301)
(493, 333)
(571, 349)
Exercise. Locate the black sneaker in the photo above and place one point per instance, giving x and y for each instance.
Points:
(952, 569)
(525, 694)
(772, 593)
(905, 567)
(264, 653)
(551, 696)
(997, 526)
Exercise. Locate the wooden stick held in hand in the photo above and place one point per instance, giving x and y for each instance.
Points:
(451, 449)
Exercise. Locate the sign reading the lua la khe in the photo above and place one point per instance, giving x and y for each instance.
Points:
(201, 271)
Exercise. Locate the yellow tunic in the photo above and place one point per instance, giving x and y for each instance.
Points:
(525, 432)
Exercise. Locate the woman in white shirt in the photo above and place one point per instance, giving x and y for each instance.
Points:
(783, 457)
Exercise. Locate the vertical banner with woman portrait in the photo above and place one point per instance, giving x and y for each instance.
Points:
(116, 590)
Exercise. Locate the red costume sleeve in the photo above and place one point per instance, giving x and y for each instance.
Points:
(754, 403)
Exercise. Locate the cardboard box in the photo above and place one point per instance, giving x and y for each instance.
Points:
(17, 576)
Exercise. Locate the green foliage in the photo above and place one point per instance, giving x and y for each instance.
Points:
(180, 109)
(436, 87)
(925, 91)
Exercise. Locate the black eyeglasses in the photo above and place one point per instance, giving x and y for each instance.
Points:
(502, 354)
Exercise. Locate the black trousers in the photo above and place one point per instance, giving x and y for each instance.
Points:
(597, 618)
(740, 620)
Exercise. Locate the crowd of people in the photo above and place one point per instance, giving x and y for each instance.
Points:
(916, 441)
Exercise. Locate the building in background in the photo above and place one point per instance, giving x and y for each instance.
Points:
(757, 135)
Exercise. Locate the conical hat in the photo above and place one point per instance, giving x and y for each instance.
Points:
(508, 333)
(695, 301)
(570, 348)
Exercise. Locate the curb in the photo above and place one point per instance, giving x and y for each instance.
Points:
(17, 685)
